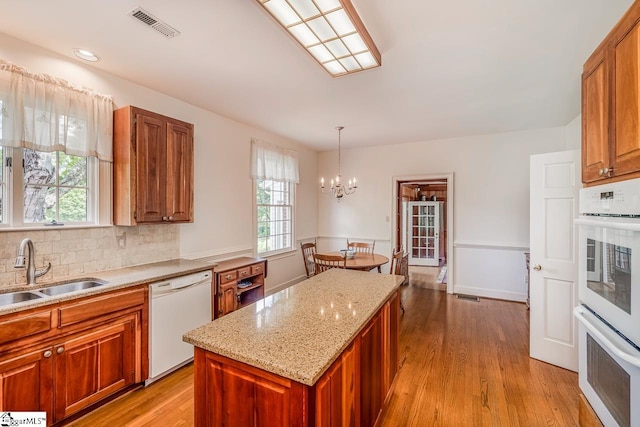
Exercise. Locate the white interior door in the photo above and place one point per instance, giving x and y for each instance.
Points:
(423, 227)
(555, 181)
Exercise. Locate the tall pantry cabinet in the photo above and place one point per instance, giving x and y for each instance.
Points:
(153, 168)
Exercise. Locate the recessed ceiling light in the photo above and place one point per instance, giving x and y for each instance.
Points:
(86, 55)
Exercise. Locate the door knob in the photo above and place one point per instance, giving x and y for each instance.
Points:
(537, 267)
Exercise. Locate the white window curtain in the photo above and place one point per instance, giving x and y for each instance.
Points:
(270, 161)
(45, 113)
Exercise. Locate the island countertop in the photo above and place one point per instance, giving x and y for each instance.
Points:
(298, 332)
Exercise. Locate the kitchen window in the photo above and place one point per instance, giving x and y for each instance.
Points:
(274, 206)
(274, 170)
(55, 149)
(44, 189)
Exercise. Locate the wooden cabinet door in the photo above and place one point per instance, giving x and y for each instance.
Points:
(626, 102)
(391, 332)
(244, 396)
(595, 117)
(92, 365)
(371, 371)
(151, 170)
(337, 391)
(26, 381)
(228, 298)
(179, 189)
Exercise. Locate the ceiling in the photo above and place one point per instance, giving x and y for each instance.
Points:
(449, 68)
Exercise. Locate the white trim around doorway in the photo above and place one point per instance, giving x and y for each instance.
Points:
(450, 236)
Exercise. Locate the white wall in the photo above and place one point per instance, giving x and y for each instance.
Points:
(223, 190)
(491, 201)
(573, 134)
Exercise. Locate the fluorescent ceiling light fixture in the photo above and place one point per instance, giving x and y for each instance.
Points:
(330, 30)
(86, 55)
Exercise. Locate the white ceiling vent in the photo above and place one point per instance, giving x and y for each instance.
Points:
(151, 21)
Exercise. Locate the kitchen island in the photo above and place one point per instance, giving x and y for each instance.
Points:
(321, 352)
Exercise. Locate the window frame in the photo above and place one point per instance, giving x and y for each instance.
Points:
(256, 205)
(99, 190)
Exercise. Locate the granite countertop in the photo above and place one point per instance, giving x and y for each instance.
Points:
(117, 279)
(298, 332)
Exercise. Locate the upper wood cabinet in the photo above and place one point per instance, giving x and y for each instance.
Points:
(153, 168)
(611, 105)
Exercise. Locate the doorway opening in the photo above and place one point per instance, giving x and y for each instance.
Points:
(423, 228)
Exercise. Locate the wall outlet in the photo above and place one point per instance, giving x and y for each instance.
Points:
(122, 240)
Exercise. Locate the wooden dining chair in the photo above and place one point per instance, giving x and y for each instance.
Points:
(308, 250)
(362, 247)
(325, 262)
(400, 266)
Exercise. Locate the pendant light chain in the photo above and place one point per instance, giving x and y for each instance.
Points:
(339, 149)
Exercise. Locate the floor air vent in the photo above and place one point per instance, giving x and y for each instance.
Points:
(468, 297)
(151, 21)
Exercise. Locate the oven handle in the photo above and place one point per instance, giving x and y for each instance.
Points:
(579, 313)
(621, 223)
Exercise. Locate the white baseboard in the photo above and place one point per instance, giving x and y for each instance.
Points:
(490, 293)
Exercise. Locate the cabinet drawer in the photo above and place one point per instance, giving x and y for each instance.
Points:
(25, 326)
(244, 272)
(257, 269)
(228, 276)
(99, 306)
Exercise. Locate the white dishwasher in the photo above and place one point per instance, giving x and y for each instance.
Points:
(176, 306)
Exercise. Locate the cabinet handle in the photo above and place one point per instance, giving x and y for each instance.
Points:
(171, 218)
(47, 353)
(608, 172)
(228, 277)
(258, 268)
(164, 218)
(600, 172)
(60, 350)
(244, 273)
(537, 267)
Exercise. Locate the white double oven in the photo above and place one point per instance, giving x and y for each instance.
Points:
(609, 292)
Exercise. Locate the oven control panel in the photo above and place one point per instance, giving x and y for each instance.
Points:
(615, 199)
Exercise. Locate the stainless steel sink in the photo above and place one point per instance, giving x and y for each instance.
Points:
(16, 297)
(72, 287)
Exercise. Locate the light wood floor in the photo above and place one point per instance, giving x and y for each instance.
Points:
(426, 277)
(465, 364)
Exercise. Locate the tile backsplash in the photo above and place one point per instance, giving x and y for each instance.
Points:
(84, 251)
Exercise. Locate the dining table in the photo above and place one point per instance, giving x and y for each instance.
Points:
(361, 261)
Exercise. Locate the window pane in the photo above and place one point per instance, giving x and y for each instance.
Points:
(39, 203)
(73, 170)
(73, 205)
(39, 167)
(274, 213)
(55, 187)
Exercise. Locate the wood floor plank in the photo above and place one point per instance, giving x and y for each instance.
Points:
(465, 363)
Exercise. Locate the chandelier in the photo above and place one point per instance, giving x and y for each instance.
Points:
(338, 189)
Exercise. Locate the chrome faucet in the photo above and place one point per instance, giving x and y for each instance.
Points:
(32, 273)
